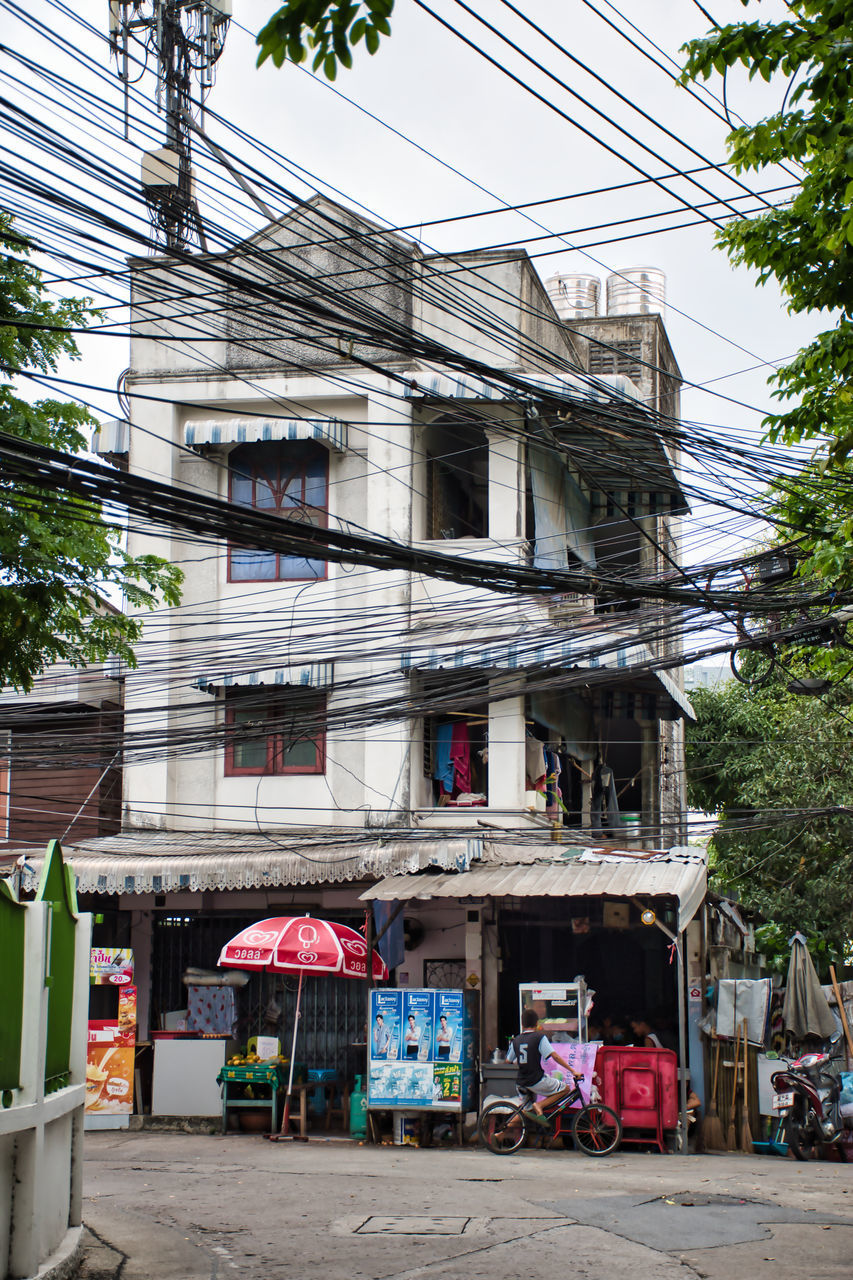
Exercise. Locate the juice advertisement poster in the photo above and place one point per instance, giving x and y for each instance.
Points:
(109, 1078)
(448, 1027)
(110, 1058)
(418, 1021)
(384, 1033)
(110, 966)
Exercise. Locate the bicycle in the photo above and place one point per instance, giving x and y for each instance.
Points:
(507, 1126)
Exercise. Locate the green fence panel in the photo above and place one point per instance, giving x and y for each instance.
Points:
(13, 924)
(56, 887)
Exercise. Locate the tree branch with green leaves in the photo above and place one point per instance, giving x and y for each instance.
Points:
(60, 559)
(806, 245)
(327, 29)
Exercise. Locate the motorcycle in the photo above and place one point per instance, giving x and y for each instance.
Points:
(807, 1097)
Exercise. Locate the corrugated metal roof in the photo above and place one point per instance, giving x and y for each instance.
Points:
(530, 872)
(163, 862)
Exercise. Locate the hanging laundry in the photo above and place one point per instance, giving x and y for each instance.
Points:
(444, 771)
(211, 1010)
(460, 755)
(534, 761)
(604, 815)
(553, 795)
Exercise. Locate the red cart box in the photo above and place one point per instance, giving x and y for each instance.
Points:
(641, 1085)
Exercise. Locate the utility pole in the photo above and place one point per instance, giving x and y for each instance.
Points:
(182, 40)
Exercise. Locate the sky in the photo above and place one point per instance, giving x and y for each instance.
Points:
(491, 142)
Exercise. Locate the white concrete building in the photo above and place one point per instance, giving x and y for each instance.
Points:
(298, 729)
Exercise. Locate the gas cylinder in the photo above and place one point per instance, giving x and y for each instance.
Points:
(358, 1110)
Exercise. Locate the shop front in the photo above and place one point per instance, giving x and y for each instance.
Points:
(606, 944)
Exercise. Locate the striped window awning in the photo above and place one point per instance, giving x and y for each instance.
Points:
(314, 675)
(112, 436)
(254, 430)
(428, 385)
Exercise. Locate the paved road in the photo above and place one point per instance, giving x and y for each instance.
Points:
(190, 1207)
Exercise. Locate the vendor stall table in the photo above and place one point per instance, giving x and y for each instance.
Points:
(270, 1075)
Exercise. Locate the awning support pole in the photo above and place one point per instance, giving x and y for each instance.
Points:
(677, 940)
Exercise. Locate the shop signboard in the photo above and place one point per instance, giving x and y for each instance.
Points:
(111, 1051)
(110, 966)
(421, 1051)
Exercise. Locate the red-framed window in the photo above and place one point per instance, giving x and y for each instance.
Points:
(288, 478)
(275, 733)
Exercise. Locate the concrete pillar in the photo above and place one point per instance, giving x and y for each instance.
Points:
(506, 486)
(388, 512)
(148, 787)
(24, 1239)
(491, 978)
(506, 777)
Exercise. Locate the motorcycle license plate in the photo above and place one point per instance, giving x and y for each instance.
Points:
(782, 1101)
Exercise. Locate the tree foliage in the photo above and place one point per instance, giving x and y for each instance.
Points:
(57, 555)
(806, 244)
(330, 29)
(775, 767)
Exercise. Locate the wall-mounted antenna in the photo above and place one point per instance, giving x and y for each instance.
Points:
(185, 39)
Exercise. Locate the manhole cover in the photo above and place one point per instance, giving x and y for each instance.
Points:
(412, 1226)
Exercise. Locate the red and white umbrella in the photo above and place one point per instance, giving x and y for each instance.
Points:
(300, 944)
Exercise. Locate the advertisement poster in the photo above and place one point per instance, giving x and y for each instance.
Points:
(448, 1026)
(110, 966)
(110, 1059)
(401, 1084)
(421, 1048)
(111, 1053)
(386, 1016)
(418, 1021)
(447, 1083)
(581, 1057)
(109, 1078)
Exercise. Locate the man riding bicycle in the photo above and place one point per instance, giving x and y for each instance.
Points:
(530, 1049)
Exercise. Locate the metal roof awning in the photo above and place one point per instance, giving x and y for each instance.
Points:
(681, 874)
(225, 430)
(197, 861)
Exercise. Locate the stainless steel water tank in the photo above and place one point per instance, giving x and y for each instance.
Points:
(575, 296)
(636, 291)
